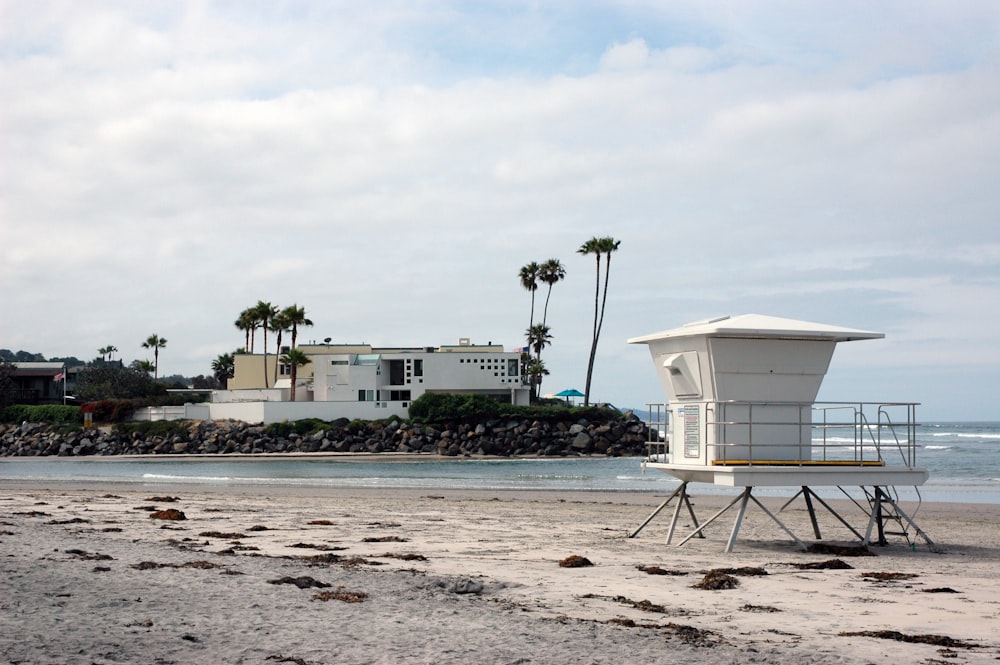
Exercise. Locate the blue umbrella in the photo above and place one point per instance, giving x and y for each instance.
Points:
(569, 392)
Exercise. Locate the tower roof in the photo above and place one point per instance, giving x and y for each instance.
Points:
(758, 325)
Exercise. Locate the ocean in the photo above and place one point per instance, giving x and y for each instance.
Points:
(963, 460)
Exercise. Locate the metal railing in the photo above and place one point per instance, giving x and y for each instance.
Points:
(790, 433)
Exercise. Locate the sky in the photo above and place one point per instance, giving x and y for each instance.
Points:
(390, 166)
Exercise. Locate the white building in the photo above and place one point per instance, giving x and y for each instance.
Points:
(359, 381)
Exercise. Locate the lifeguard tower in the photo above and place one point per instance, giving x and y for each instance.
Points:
(742, 413)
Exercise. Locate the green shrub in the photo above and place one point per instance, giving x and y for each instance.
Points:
(303, 427)
(54, 414)
(441, 407)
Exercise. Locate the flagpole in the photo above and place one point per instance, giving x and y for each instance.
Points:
(64, 384)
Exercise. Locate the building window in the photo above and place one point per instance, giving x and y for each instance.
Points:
(399, 395)
(418, 367)
(512, 367)
(366, 395)
(284, 370)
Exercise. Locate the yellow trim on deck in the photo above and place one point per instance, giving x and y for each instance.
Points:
(763, 462)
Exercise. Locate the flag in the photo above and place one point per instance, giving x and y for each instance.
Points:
(59, 377)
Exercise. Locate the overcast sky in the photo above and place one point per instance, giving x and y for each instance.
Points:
(390, 166)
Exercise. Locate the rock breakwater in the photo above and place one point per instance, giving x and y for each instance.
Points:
(505, 438)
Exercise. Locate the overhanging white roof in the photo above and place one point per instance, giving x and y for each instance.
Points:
(758, 325)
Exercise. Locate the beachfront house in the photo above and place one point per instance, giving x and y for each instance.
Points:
(39, 382)
(359, 381)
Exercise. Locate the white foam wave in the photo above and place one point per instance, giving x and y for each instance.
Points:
(166, 476)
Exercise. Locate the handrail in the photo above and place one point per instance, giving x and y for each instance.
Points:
(757, 432)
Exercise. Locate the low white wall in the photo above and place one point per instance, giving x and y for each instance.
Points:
(151, 413)
(276, 412)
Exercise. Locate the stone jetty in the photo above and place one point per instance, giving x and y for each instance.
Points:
(504, 438)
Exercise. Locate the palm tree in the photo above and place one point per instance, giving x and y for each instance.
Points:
(156, 343)
(104, 351)
(265, 313)
(247, 322)
(529, 280)
(111, 349)
(296, 316)
(551, 271)
(279, 324)
(598, 246)
(224, 368)
(143, 366)
(295, 359)
(535, 371)
(539, 337)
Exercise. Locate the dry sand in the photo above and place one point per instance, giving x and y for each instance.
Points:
(465, 577)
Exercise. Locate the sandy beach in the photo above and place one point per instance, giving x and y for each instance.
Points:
(91, 574)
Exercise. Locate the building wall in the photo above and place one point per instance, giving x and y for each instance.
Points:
(249, 371)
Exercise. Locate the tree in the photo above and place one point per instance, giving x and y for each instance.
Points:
(536, 370)
(111, 380)
(224, 368)
(296, 316)
(598, 246)
(156, 343)
(539, 337)
(265, 313)
(143, 366)
(279, 324)
(295, 359)
(550, 273)
(529, 280)
(247, 322)
(7, 384)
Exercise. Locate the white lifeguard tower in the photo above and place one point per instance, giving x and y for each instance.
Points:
(742, 413)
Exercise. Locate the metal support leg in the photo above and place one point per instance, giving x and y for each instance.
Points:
(739, 519)
(875, 518)
(837, 515)
(807, 495)
(679, 491)
(798, 542)
(710, 520)
(677, 511)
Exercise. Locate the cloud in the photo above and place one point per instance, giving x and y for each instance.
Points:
(391, 168)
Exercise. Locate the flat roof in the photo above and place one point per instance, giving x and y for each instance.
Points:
(760, 326)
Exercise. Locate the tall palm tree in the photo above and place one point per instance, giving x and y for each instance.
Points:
(279, 324)
(598, 246)
(295, 359)
(156, 343)
(247, 322)
(111, 349)
(296, 316)
(529, 280)
(265, 313)
(224, 368)
(104, 351)
(551, 272)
